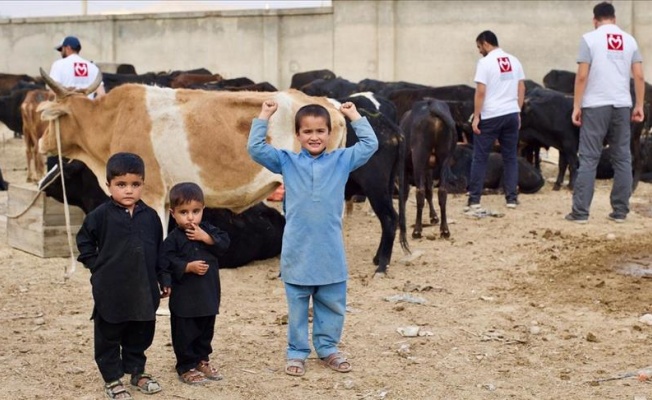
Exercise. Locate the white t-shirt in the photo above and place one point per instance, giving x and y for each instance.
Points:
(74, 72)
(501, 73)
(610, 52)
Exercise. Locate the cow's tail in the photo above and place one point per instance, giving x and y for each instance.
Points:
(441, 110)
(400, 165)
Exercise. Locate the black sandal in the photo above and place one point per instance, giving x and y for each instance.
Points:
(116, 390)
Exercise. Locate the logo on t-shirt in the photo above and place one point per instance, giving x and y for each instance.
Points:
(614, 41)
(504, 64)
(81, 69)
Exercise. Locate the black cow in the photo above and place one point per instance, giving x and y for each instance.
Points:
(379, 103)
(256, 233)
(546, 121)
(564, 81)
(225, 84)
(561, 81)
(8, 82)
(376, 178)
(458, 97)
(256, 87)
(335, 88)
(430, 132)
(530, 179)
(383, 89)
(10, 114)
(303, 78)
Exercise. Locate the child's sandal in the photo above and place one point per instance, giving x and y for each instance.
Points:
(116, 390)
(145, 383)
(193, 377)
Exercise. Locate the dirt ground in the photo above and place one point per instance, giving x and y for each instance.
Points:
(524, 306)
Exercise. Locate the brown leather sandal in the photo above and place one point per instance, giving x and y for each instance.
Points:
(208, 370)
(193, 377)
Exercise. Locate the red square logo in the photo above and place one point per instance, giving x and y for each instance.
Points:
(614, 41)
(81, 69)
(504, 64)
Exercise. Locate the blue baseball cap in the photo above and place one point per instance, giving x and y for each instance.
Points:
(69, 41)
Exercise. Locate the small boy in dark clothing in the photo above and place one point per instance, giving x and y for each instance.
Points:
(119, 242)
(189, 254)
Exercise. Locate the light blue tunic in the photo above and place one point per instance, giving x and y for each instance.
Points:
(313, 246)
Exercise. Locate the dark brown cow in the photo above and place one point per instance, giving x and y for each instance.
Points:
(186, 80)
(430, 133)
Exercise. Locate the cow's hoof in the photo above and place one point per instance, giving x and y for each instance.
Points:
(380, 275)
(416, 235)
(556, 187)
(445, 235)
(434, 220)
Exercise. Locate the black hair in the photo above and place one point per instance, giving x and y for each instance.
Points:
(604, 10)
(121, 164)
(185, 192)
(487, 37)
(312, 110)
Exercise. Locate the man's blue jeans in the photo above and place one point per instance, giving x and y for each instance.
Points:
(505, 130)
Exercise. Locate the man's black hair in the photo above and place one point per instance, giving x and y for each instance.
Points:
(604, 10)
(488, 37)
(185, 192)
(121, 164)
(312, 110)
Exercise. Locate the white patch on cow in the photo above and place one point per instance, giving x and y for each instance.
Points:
(370, 96)
(169, 137)
(334, 102)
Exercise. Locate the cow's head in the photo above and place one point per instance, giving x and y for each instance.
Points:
(60, 108)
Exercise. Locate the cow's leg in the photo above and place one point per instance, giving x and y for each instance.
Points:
(434, 219)
(420, 195)
(562, 166)
(384, 209)
(442, 195)
(39, 165)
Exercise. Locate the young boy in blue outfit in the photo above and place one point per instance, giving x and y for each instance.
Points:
(190, 253)
(313, 263)
(119, 242)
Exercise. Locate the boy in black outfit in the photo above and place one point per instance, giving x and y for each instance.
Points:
(119, 242)
(189, 254)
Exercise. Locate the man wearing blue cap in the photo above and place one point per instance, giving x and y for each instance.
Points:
(73, 71)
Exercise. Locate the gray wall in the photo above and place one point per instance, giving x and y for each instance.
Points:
(429, 42)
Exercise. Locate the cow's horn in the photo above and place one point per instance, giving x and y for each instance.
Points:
(96, 83)
(58, 90)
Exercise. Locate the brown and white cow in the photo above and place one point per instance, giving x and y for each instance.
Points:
(33, 130)
(182, 135)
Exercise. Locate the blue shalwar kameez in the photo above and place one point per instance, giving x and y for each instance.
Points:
(313, 262)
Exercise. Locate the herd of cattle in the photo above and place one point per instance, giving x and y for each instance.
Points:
(189, 124)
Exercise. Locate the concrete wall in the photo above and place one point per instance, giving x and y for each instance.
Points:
(429, 42)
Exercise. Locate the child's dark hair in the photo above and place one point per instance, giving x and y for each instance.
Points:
(185, 192)
(312, 110)
(121, 164)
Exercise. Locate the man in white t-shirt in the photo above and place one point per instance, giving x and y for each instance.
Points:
(602, 108)
(73, 71)
(499, 94)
